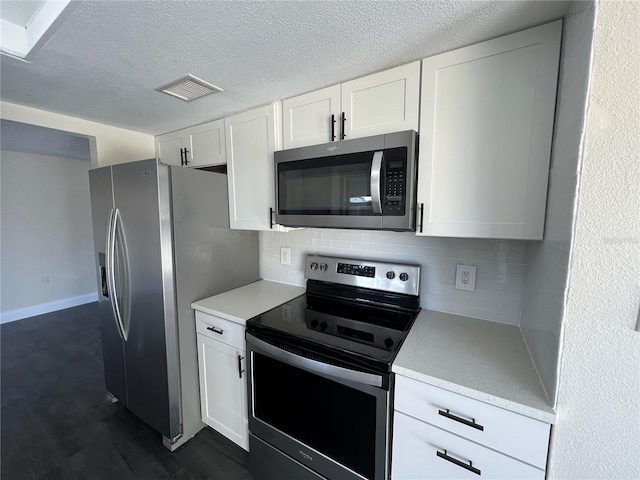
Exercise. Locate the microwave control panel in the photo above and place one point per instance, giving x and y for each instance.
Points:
(395, 182)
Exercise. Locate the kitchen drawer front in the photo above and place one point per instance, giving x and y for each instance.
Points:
(415, 456)
(516, 435)
(220, 329)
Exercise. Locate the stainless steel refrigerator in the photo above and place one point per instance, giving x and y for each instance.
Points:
(162, 241)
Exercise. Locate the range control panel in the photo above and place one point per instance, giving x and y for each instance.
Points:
(360, 270)
(376, 274)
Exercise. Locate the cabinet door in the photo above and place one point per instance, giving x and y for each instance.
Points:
(384, 102)
(168, 148)
(223, 390)
(252, 137)
(207, 145)
(307, 118)
(415, 456)
(485, 136)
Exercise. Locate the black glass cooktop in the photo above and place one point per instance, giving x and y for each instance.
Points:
(357, 329)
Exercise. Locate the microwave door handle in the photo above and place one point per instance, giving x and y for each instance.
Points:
(376, 172)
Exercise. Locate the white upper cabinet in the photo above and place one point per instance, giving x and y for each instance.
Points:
(384, 102)
(486, 124)
(170, 148)
(311, 119)
(202, 145)
(207, 144)
(252, 137)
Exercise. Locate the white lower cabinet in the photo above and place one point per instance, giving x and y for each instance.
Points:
(223, 388)
(422, 452)
(444, 435)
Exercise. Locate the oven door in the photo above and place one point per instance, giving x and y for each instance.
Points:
(326, 418)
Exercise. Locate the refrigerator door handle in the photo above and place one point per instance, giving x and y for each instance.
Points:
(110, 261)
(123, 263)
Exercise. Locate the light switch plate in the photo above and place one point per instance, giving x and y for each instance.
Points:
(466, 277)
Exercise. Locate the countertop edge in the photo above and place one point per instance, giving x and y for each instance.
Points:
(515, 407)
(220, 314)
(227, 305)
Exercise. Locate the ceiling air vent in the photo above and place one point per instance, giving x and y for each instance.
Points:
(189, 88)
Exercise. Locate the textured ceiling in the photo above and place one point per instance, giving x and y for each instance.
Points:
(105, 61)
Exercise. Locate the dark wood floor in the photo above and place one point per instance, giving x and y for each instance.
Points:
(57, 424)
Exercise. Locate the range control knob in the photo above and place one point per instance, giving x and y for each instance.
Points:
(404, 277)
(323, 266)
(314, 265)
(388, 342)
(391, 275)
(323, 325)
(314, 323)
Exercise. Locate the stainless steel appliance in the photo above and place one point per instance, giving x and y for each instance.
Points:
(319, 371)
(365, 183)
(162, 241)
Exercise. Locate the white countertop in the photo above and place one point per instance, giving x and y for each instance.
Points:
(487, 361)
(243, 303)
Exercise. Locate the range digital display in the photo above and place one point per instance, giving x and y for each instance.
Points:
(359, 270)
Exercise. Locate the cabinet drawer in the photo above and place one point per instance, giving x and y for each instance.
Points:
(220, 329)
(415, 456)
(513, 434)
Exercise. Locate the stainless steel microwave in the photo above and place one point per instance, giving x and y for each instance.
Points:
(365, 183)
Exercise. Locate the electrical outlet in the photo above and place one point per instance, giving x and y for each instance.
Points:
(466, 277)
(285, 255)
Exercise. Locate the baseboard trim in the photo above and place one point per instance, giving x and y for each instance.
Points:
(26, 312)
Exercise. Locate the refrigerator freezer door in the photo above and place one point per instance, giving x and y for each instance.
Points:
(141, 196)
(112, 344)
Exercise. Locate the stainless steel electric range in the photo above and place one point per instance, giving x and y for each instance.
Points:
(320, 381)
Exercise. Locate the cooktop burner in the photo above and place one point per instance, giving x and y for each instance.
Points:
(357, 310)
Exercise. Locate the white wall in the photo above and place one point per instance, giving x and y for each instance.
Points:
(111, 145)
(500, 265)
(547, 266)
(598, 429)
(45, 216)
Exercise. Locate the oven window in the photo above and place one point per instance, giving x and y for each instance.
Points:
(334, 419)
(326, 186)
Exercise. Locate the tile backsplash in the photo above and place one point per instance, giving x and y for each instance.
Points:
(500, 265)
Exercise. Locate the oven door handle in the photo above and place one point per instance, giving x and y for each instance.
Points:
(314, 366)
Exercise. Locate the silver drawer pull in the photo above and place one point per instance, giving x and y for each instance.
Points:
(219, 331)
(467, 466)
(469, 423)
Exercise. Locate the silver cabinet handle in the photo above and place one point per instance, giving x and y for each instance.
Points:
(376, 170)
(467, 466)
(219, 331)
